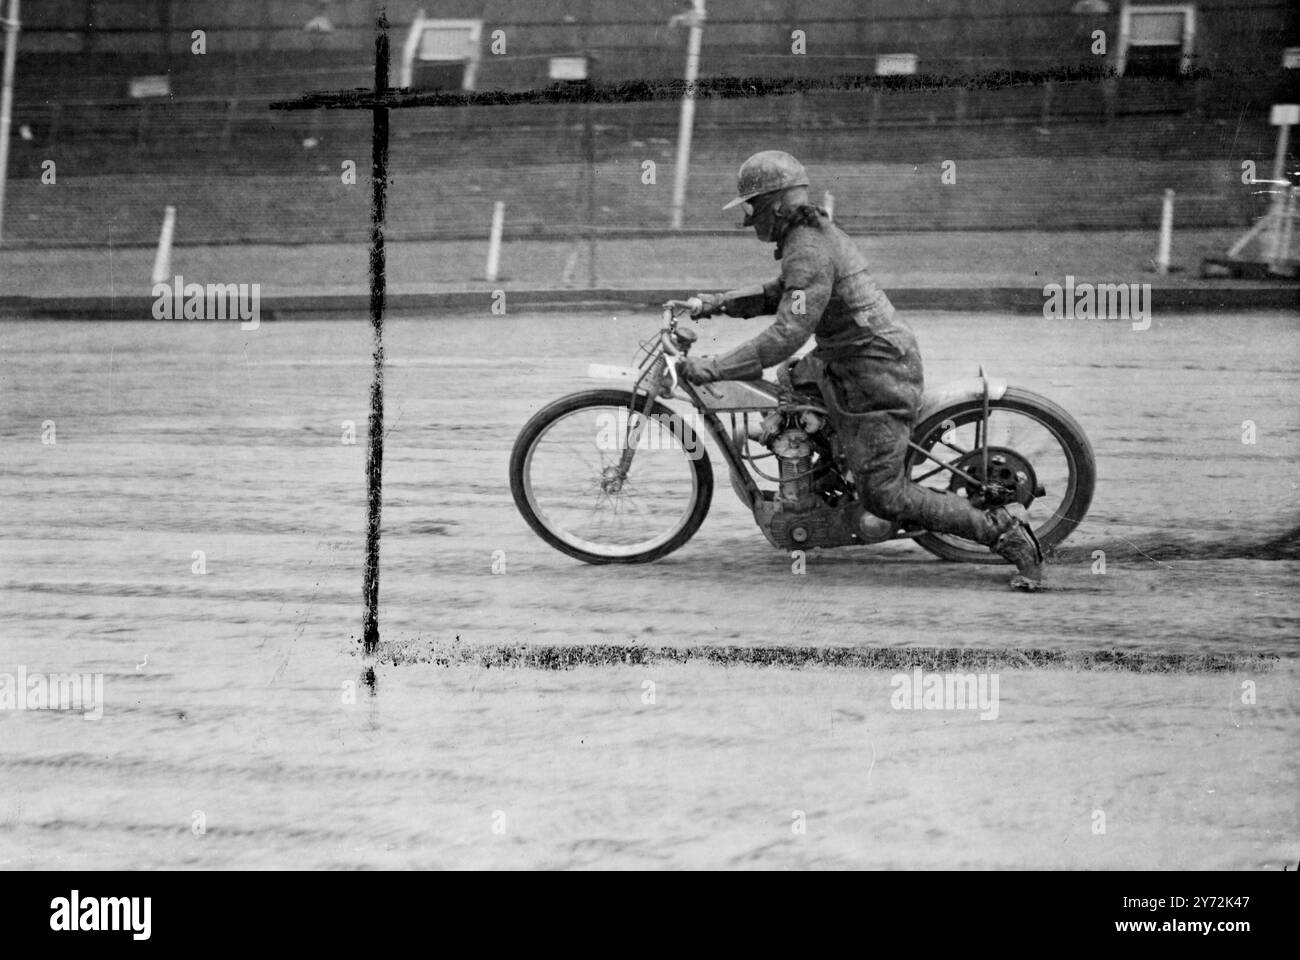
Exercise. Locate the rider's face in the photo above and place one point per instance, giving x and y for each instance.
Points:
(761, 215)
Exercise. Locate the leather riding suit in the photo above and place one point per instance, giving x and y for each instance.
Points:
(868, 360)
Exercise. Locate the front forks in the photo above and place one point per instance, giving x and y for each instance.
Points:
(613, 477)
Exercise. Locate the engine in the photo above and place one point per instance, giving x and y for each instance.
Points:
(794, 455)
(812, 505)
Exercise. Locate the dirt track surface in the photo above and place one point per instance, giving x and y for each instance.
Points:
(223, 690)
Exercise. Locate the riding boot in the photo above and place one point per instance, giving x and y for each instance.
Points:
(1016, 542)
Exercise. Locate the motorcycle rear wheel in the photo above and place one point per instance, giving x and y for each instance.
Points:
(563, 477)
(1026, 429)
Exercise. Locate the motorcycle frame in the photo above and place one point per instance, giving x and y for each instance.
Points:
(660, 365)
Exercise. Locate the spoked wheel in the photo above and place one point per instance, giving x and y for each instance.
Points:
(1037, 455)
(601, 482)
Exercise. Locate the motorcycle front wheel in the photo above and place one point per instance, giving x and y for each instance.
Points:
(568, 483)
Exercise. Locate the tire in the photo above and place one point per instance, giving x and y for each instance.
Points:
(1077, 452)
(695, 507)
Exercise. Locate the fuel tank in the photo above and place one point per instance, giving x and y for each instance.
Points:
(723, 395)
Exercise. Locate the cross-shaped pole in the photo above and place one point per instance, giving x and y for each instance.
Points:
(379, 104)
(375, 444)
(379, 101)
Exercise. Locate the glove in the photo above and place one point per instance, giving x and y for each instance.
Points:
(698, 369)
(710, 303)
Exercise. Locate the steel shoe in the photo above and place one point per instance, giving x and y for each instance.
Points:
(1016, 542)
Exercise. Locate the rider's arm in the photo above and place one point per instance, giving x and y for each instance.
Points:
(755, 301)
(806, 279)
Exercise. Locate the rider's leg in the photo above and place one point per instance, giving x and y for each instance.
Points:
(883, 387)
(876, 453)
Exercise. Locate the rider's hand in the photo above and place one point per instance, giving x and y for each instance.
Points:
(710, 303)
(698, 369)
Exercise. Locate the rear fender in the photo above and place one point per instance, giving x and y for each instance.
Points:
(959, 391)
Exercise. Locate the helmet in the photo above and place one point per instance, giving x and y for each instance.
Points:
(766, 172)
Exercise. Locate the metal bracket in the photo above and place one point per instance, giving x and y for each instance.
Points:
(983, 439)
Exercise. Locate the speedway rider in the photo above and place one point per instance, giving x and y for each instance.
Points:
(865, 353)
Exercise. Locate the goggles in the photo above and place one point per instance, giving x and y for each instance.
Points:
(752, 209)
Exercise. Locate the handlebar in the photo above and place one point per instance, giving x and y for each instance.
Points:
(671, 353)
(690, 306)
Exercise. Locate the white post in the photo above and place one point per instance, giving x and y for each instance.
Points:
(1282, 116)
(409, 49)
(1288, 228)
(494, 241)
(7, 101)
(570, 266)
(1166, 233)
(162, 261)
(688, 113)
(828, 203)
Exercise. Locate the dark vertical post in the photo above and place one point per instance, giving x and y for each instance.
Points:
(228, 127)
(589, 135)
(164, 15)
(88, 27)
(142, 125)
(56, 123)
(375, 449)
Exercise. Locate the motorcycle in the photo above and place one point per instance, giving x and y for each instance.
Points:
(617, 476)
